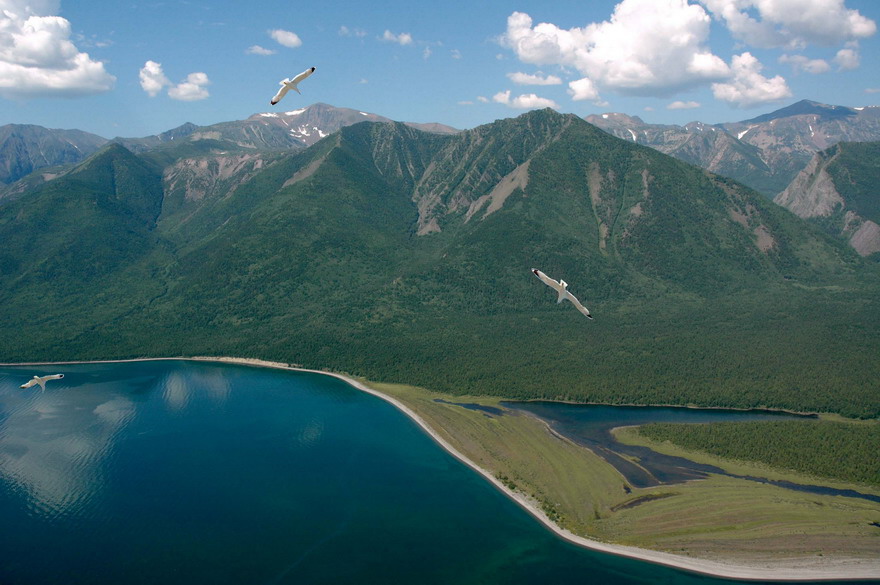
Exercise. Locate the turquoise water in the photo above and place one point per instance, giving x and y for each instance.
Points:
(181, 472)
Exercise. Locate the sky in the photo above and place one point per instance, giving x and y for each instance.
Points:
(134, 68)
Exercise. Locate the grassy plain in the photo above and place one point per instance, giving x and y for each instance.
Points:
(719, 518)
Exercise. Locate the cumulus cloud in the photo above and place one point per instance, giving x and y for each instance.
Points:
(648, 47)
(583, 89)
(847, 59)
(536, 79)
(455, 54)
(401, 39)
(37, 56)
(193, 88)
(661, 47)
(258, 50)
(791, 23)
(800, 63)
(152, 78)
(524, 102)
(680, 105)
(748, 87)
(285, 38)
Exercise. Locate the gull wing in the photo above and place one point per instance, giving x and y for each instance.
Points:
(302, 76)
(547, 280)
(578, 305)
(53, 377)
(281, 93)
(29, 383)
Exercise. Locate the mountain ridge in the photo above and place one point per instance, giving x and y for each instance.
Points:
(316, 257)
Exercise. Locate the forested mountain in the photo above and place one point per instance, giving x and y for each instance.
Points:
(402, 255)
(839, 192)
(765, 152)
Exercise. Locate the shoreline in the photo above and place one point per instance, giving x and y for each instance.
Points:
(794, 570)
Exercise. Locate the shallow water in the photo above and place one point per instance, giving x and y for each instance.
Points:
(184, 472)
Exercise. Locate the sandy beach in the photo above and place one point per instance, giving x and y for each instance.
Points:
(796, 569)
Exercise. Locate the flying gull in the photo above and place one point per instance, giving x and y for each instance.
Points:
(562, 288)
(41, 380)
(289, 84)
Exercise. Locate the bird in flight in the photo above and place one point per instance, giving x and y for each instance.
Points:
(562, 288)
(289, 84)
(41, 380)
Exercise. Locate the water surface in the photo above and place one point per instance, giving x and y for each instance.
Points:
(180, 472)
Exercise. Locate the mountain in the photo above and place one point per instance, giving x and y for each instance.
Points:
(401, 255)
(703, 145)
(25, 148)
(838, 191)
(765, 152)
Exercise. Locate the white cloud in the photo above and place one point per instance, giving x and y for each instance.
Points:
(583, 89)
(872, 90)
(401, 39)
(286, 38)
(344, 31)
(524, 102)
(192, 89)
(536, 79)
(455, 53)
(800, 63)
(791, 23)
(847, 59)
(482, 99)
(748, 87)
(258, 50)
(680, 105)
(153, 78)
(426, 53)
(37, 57)
(648, 47)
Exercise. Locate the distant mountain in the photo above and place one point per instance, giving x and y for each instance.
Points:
(703, 145)
(765, 152)
(401, 255)
(25, 148)
(838, 191)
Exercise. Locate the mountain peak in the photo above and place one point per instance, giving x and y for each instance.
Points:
(805, 107)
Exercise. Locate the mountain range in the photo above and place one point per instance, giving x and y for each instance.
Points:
(402, 255)
(765, 152)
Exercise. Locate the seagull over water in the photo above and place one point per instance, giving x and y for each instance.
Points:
(562, 288)
(41, 380)
(289, 84)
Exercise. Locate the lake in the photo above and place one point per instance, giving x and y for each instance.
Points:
(193, 472)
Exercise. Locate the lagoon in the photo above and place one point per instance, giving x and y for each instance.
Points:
(193, 472)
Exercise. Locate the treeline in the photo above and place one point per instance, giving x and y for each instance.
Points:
(837, 450)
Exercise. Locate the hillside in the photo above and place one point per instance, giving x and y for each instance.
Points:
(402, 255)
(838, 192)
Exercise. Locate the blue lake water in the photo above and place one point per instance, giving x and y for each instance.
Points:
(184, 472)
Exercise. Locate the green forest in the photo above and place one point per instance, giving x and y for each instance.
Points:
(845, 451)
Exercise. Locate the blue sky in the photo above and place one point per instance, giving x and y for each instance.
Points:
(133, 68)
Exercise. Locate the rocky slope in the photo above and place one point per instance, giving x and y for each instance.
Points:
(839, 191)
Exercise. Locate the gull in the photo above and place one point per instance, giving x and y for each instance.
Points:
(562, 288)
(289, 84)
(41, 380)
